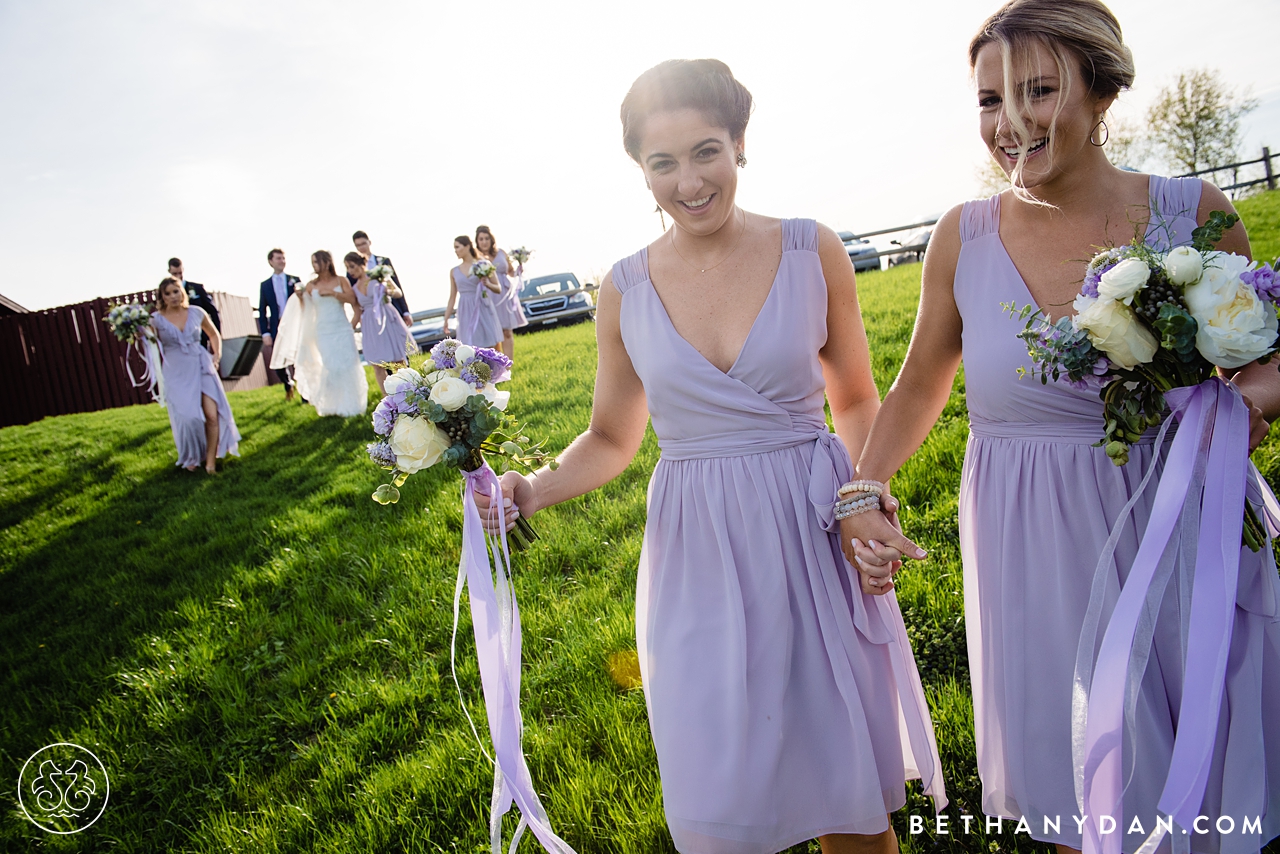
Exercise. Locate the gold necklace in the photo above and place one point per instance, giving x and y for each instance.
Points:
(738, 242)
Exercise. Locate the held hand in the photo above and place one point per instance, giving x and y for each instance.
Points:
(517, 493)
(266, 339)
(408, 318)
(1258, 426)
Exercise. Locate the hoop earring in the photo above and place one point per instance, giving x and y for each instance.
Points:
(742, 160)
(1106, 131)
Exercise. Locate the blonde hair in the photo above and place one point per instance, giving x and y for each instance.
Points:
(164, 284)
(1081, 30)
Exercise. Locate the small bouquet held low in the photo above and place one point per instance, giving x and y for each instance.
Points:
(131, 323)
(449, 411)
(1151, 329)
(482, 270)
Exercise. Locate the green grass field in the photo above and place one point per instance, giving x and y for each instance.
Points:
(261, 658)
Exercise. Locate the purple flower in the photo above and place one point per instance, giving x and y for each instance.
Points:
(499, 364)
(1090, 286)
(1264, 282)
(381, 453)
(384, 417)
(442, 354)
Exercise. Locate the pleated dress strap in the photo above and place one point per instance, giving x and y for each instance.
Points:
(979, 217)
(631, 271)
(799, 235)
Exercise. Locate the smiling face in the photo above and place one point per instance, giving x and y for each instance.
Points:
(173, 296)
(1047, 117)
(691, 167)
(277, 262)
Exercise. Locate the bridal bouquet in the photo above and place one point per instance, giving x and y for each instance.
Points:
(129, 321)
(483, 269)
(1149, 321)
(451, 412)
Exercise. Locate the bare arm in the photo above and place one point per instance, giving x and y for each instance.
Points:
(356, 315)
(453, 298)
(215, 340)
(618, 418)
(921, 389)
(491, 282)
(845, 358)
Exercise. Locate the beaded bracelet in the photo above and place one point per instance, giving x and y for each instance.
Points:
(874, 487)
(857, 505)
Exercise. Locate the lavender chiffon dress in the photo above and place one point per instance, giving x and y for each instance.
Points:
(383, 335)
(1037, 503)
(477, 317)
(510, 311)
(783, 703)
(189, 374)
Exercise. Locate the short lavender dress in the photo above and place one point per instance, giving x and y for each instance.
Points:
(189, 374)
(383, 335)
(510, 311)
(477, 317)
(1037, 503)
(783, 702)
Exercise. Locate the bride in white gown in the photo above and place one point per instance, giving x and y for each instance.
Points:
(316, 337)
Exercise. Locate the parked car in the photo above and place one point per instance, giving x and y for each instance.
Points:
(918, 238)
(555, 300)
(428, 328)
(858, 249)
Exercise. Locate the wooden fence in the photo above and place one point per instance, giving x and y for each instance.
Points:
(1268, 177)
(65, 359)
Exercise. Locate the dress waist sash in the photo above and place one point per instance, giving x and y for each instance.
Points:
(1053, 432)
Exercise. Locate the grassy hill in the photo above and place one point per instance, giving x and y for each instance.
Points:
(261, 658)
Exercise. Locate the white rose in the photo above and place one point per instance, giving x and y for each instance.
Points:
(1183, 265)
(435, 376)
(1234, 326)
(495, 397)
(464, 353)
(402, 380)
(1124, 280)
(1115, 330)
(451, 393)
(417, 443)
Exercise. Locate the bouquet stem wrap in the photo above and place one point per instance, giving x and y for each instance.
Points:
(495, 620)
(1199, 507)
(152, 375)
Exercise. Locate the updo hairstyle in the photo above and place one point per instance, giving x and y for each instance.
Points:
(705, 85)
(1078, 34)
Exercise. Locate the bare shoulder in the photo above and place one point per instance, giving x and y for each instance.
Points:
(1234, 239)
(944, 243)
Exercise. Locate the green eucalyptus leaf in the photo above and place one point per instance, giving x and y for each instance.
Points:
(386, 494)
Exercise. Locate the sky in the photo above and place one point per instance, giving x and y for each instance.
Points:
(215, 130)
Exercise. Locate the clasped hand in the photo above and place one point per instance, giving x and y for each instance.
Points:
(873, 543)
(517, 493)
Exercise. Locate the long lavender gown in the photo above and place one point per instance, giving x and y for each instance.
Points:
(1037, 502)
(477, 317)
(383, 335)
(510, 311)
(783, 702)
(188, 375)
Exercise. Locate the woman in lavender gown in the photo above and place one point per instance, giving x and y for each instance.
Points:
(1038, 499)
(510, 311)
(199, 414)
(383, 336)
(784, 702)
(478, 323)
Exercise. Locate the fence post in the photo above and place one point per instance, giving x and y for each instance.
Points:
(1266, 164)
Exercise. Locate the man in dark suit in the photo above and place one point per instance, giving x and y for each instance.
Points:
(361, 241)
(196, 295)
(274, 293)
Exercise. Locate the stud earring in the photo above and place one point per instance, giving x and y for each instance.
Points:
(742, 159)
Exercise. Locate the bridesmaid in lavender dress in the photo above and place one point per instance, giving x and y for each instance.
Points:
(199, 415)
(478, 323)
(510, 311)
(384, 338)
(1037, 498)
(784, 702)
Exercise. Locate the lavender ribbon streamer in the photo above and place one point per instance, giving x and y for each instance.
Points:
(495, 621)
(152, 374)
(378, 311)
(1213, 440)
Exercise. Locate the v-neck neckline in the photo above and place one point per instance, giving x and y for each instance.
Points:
(1026, 290)
(185, 324)
(742, 348)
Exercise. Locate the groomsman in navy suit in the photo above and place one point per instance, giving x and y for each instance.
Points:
(196, 295)
(272, 297)
(361, 241)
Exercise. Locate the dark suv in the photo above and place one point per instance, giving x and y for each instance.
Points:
(555, 300)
